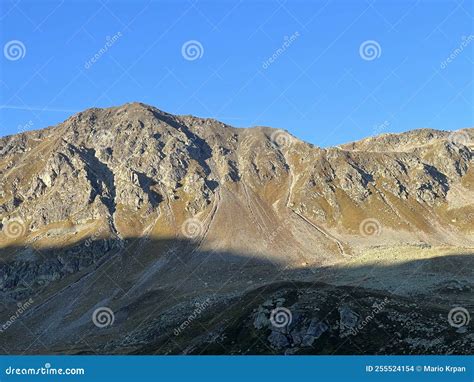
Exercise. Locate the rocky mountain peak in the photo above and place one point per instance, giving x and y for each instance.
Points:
(127, 202)
(136, 159)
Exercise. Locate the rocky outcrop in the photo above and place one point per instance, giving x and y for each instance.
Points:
(143, 210)
(306, 318)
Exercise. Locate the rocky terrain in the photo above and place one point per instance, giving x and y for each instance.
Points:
(131, 230)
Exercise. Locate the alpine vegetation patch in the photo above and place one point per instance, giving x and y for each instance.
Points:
(287, 42)
(22, 307)
(200, 308)
(109, 42)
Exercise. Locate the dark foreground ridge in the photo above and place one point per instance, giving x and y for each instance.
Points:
(279, 313)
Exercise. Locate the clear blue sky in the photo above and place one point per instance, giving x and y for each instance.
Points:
(322, 87)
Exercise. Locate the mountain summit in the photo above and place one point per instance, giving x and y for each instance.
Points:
(148, 214)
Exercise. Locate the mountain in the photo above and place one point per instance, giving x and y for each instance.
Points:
(170, 228)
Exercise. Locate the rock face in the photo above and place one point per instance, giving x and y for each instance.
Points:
(321, 319)
(131, 206)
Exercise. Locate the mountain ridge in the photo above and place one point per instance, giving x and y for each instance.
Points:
(190, 116)
(81, 130)
(114, 206)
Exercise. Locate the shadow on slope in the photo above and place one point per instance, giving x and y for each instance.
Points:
(149, 296)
